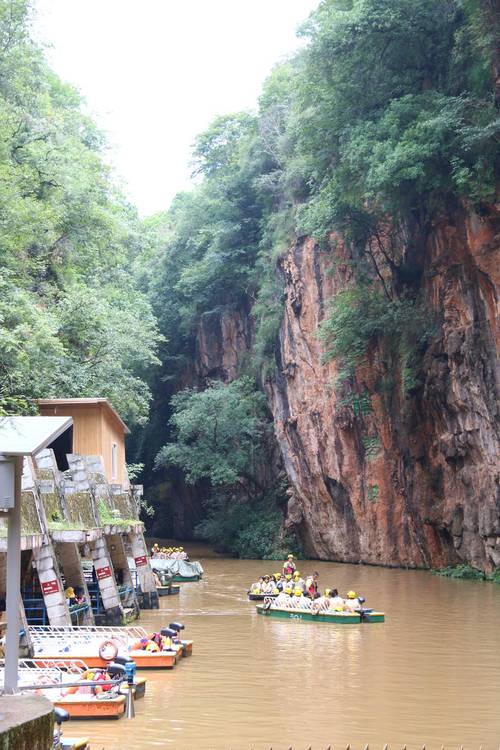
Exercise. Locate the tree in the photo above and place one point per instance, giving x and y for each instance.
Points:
(219, 434)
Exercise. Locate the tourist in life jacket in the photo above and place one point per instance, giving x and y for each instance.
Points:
(352, 603)
(321, 603)
(256, 588)
(268, 585)
(289, 566)
(312, 585)
(336, 601)
(281, 582)
(298, 581)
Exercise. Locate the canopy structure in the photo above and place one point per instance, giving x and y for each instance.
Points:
(19, 437)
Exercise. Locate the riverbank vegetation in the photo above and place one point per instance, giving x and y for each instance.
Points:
(468, 573)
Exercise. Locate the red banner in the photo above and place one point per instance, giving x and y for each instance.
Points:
(141, 560)
(50, 587)
(103, 572)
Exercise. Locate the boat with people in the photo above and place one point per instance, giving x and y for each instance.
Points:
(288, 595)
(344, 618)
(97, 646)
(56, 680)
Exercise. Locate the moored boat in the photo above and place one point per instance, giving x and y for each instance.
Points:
(344, 618)
(98, 645)
(178, 571)
(90, 707)
(168, 590)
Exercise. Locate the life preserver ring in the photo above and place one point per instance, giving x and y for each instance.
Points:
(108, 650)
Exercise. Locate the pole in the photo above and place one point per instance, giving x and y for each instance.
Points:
(13, 583)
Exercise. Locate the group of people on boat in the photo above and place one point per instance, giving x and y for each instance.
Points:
(168, 553)
(92, 675)
(153, 643)
(291, 590)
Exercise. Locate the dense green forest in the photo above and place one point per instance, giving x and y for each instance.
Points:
(386, 117)
(73, 319)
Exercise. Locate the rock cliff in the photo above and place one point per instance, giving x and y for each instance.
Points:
(397, 480)
(383, 477)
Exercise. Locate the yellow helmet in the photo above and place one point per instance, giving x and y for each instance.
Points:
(296, 574)
(276, 591)
(327, 592)
(277, 575)
(70, 592)
(290, 557)
(351, 594)
(298, 592)
(338, 609)
(288, 577)
(288, 590)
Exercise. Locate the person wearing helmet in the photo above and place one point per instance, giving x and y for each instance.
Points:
(336, 601)
(298, 581)
(283, 598)
(351, 602)
(300, 601)
(289, 566)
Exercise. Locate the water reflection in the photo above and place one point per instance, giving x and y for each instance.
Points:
(430, 674)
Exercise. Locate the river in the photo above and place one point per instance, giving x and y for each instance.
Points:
(429, 675)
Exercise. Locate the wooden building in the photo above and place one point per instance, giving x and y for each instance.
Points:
(97, 431)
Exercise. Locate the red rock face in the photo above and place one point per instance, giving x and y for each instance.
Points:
(394, 479)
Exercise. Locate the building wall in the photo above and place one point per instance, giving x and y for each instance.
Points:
(112, 433)
(95, 430)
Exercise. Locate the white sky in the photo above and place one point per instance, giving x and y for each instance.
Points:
(156, 72)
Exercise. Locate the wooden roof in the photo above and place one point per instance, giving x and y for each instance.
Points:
(76, 402)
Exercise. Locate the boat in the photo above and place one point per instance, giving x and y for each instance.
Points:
(98, 645)
(344, 618)
(90, 707)
(178, 571)
(259, 597)
(62, 672)
(168, 590)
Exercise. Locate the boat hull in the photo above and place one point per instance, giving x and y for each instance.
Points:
(185, 579)
(260, 597)
(143, 660)
(339, 618)
(139, 687)
(90, 708)
(168, 590)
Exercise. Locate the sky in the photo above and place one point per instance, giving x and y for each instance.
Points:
(155, 73)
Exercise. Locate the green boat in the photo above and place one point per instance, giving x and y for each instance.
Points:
(344, 618)
(185, 579)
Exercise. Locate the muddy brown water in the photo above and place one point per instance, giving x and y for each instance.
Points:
(430, 674)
